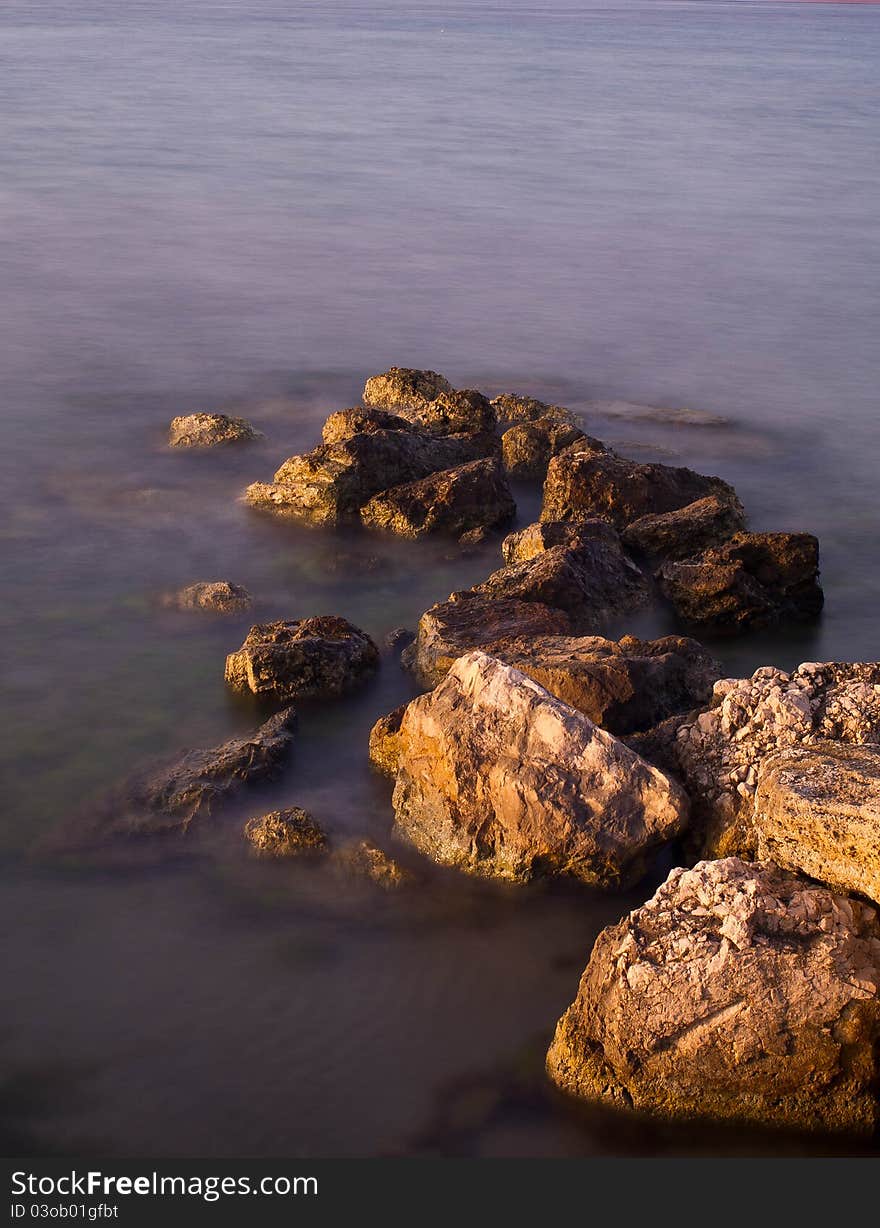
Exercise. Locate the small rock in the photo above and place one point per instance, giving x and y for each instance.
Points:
(455, 501)
(285, 833)
(321, 656)
(399, 638)
(464, 411)
(345, 423)
(209, 430)
(219, 596)
(511, 408)
(534, 539)
(364, 859)
(527, 447)
(404, 388)
(688, 530)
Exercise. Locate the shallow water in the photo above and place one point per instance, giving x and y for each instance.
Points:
(672, 205)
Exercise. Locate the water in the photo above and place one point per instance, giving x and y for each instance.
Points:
(206, 207)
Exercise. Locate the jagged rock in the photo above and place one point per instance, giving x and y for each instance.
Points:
(719, 752)
(591, 582)
(364, 859)
(404, 388)
(534, 539)
(588, 480)
(330, 484)
(219, 596)
(307, 657)
(498, 777)
(345, 423)
(385, 742)
(511, 408)
(285, 833)
(623, 685)
(736, 992)
(209, 430)
(753, 580)
(817, 810)
(452, 628)
(455, 413)
(527, 447)
(454, 501)
(688, 530)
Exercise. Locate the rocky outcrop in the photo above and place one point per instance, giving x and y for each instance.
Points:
(385, 742)
(218, 596)
(330, 484)
(284, 833)
(321, 656)
(464, 411)
(624, 685)
(453, 628)
(527, 447)
(209, 431)
(720, 752)
(738, 993)
(364, 859)
(454, 501)
(591, 582)
(534, 539)
(345, 423)
(404, 388)
(688, 530)
(511, 408)
(588, 480)
(498, 777)
(817, 810)
(753, 580)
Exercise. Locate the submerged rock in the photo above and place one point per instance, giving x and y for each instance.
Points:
(688, 530)
(534, 539)
(753, 580)
(455, 501)
(498, 777)
(345, 423)
(285, 833)
(511, 408)
(527, 447)
(385, 742)
(364, 859)
(209, 430)
(404, 388)
(589, 480)
(399, 638)
(453, 628)
(218, 596)
(737, 992)
(321, 656)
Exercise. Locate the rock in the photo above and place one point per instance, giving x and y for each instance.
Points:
(817, 810)
(454, 501)
(534, 539)
(527, 447)
(592, 582)
(753, 580)
(737, 992)
(209, 430)
(688, 530)
(345, 423)
(285, 833)
(399, 638)
(498, 777)
(404, 388)
(471, 541)
(586, 480)
(385, 742)
(623, 685)
(364, 859)
(510, 408)
(307, 657)
(219, 596)
(464, 411)
(330, 484)
(452, 628)
(720, 751)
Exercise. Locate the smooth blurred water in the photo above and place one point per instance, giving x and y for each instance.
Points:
(253, 207)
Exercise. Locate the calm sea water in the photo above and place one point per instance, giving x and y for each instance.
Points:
(252, 208)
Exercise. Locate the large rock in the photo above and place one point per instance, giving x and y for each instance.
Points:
(344, 423)
(454, 413)
(688, 530)
(498, 777)
(591, 582)
(817, 810)
(308, 657)
(753, 580)
(586, 480)
(404, 388)
(454, 501)
(534, 539)
(510, 408)
(719, 753)
(217, 596)
(452, 628)
(623, 685)
(209, 431)
(527, 447)
(330, 484)
(737, 992)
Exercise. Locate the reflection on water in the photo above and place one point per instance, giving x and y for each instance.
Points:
(609, 209)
